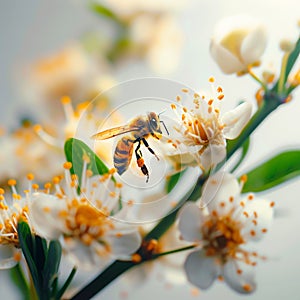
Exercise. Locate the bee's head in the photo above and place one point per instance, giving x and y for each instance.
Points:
(154, 123)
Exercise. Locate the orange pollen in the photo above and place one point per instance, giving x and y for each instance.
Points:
(252, 232)
(37, 128)
(254, 222)
(2, 191)
(246, 214)
(221, 278)
(136, 258)
(89, 173)
(63, 214)
(217, 111)
(250, 197)
(221, 96)
(185, 90)
(231, 198)
(119, 185)
(254, 264)
(210, 102)
(119, 234)
(219, 89)
(272, 204)
(239, 271)
(211, 79)
(130, 202)
(11, 182)
(264, 230)
(222, 204)
(173, 106)
(288, 99)
(30, 176)
(242, 204)
(255, 214)
(67, 165)
(112, 194)
(185, 109)
(247, 287)
(244, 178)
(178, 98)
(56, 180)
(35, 186)
(183, 117)
(196, 95)
(17, 256)
(65, 100)
(47, 185)
(209, 109)
(214, 213)
(46, 209)
(112, 171)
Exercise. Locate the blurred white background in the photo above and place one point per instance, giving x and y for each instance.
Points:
(33, 29)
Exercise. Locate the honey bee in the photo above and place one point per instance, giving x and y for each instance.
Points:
(140, 128)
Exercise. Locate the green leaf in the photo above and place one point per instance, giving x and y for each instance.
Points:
(27, 245)
(173, 180)
(66, 284)
(19, 279)
(245, 149)
(50, 272)
(104, 11)
(75, 150)
(279, 169)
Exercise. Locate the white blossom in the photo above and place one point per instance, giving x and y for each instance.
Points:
(83, 221)
(221, 230)
(202, 130)
(238, 43)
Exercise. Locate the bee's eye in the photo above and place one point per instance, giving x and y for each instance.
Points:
(153, 122)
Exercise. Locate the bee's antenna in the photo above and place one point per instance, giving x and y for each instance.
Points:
(161, 112)
(162, 122)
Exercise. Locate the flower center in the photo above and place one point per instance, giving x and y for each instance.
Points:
(223, 237)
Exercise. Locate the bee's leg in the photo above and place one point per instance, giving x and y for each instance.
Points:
(140, 160)
(150, 149)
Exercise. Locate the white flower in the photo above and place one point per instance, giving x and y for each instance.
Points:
(202, 131)
(11, 212)
(22, 151)
(238, 43)
(159, 39)
(82, 221)
(222, 230)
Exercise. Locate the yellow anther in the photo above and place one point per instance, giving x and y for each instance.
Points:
(136, 258)
(37, 128)
(2, 191)
(11, 182)
(67, 165)
(35, 186)
(184, 90)
(211, 79)
(65, 100)
(30, 176)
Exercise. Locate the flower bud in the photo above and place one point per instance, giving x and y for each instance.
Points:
(238, 42)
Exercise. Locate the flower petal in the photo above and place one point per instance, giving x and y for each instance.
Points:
(124, 242)
(227, 61)
(235, 120)
(190, 222)
(219, 188)
(239, 276)
(44, 215)
(254, 45)
(261, 211)
(7, 260)
(212, 155)
(200, 269)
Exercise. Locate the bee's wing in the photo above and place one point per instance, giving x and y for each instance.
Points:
(109, 133)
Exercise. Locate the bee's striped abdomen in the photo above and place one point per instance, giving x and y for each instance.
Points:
(123, 154)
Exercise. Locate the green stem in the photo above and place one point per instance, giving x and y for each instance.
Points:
(174, 251)
(256, 78)
(270, 103)
(282, 78)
